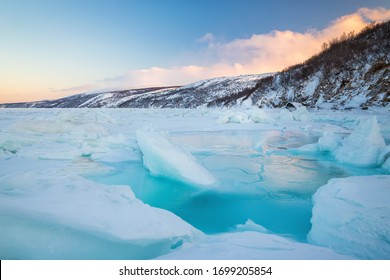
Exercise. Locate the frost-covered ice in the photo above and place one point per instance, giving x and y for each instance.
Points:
(363, 146)
(98, 184)
(329, 142)
(163, 158)
(352, 216)
(252, 245)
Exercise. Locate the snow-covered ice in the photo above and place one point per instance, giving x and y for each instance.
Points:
(329, 142)
(60, 197)
(363, 146)
(352, 216)
(252, 245)
(208, 183)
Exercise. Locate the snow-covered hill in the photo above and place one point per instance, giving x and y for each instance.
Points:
(203, 93)
(353, 72)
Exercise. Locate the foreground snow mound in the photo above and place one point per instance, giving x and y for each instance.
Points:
(352, 216)
(251, 245)
(163, 158)
(363, 146)
(68, 199)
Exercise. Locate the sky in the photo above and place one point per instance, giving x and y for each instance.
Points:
(55, 48)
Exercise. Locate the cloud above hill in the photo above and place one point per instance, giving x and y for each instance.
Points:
(260, 53)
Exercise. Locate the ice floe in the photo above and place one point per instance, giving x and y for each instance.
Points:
(363, 146)
(352, 216)
(163, 158)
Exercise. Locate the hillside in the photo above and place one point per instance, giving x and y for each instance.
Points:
(203, 93)
(352, 71)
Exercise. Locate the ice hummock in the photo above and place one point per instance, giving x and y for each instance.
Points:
(363, 146)
(163, 158)
(329, 142)
(352, 216)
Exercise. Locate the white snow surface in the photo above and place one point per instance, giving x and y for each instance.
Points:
(69, 199)
(352, 216)
(252, 245)
(162, 158)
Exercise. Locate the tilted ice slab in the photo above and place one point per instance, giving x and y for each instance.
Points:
(363, 146)
(352, 216)
(162, 158)
(68, 199)
(251, 245)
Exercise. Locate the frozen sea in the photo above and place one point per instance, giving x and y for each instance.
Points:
(239, 183)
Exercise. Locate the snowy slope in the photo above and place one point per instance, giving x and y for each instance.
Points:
(353, 73)
(110, 99)
(209, 92)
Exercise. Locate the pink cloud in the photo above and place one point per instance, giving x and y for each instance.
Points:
(260, 53)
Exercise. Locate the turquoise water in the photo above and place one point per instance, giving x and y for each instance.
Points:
(261, 177)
